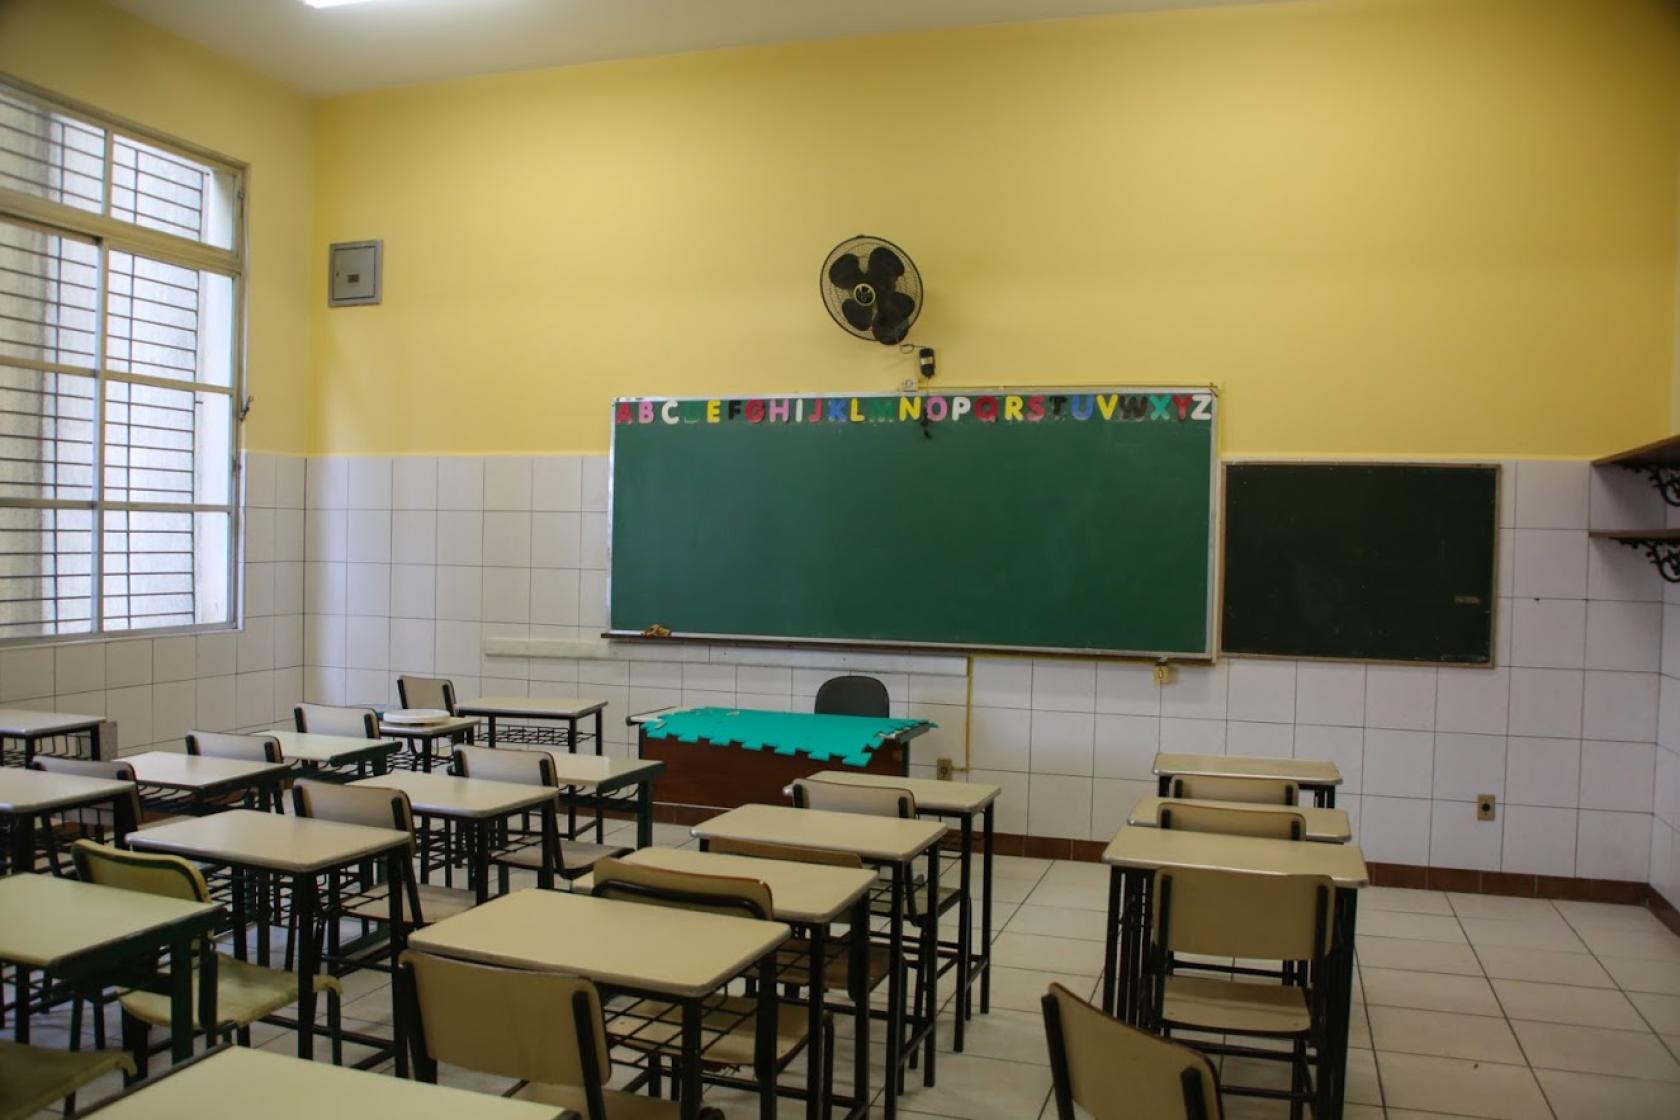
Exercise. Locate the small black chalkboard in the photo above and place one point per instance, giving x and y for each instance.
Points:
(1369, 562)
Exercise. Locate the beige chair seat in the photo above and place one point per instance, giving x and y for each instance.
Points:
(652, 1025)
(245, 992)
(33, 1078)
(576, 857)
(620, 1106)
(1208, 1004)
(436, 903)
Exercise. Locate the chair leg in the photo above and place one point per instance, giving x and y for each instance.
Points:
(335, 1027)
(137, 1042)
(1297, 1079)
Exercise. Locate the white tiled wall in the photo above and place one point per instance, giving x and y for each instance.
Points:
(413, 563)
(1665, 820)
(157, 689)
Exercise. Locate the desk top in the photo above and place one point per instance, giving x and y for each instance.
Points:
(532, 707)
(190, 771)
(883, 839)
(291, 845)
(1302, 771)
(270, 1086)
(847, 740)
(602, 769)
(438, 730)
(441, 795)
(799, 892)
(681, 953)
(935, 797)
(36, 791)
(21, 723)
(51, 920)
(1327, 826)
(299, 746)
(1167, 848)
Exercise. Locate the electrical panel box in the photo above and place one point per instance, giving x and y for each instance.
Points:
(353, 277)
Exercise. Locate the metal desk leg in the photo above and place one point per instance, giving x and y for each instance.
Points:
(986, 912)
(490, 730)
(550, 847)
(816, 1090)
(857, 975)
(23, 843)
(1163, 783)
(599, 746)
(644, 814)
(965, 932)
(931, 1024)
(764, 1056)
(1325, 797)
(308, 962)
(895, 993)
(206, 993)
(398, 877)
(1111, 943)
(20, 1029)
(180, 1001)
(478, 843)
(688, 1079)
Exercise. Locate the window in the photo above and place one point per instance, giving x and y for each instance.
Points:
(121, 260)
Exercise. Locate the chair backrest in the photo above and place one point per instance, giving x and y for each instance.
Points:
(843, 797)
(758, 849)
(427, 692)
(733, 895)
(373, 806)
(1115, 1071)
(532, 1026)
(112, 770)
(1258, 791)
(1242, 914)
(246, 748)
(498, 764)
(1264, 823)
(322, 719)
(169, 876)
(852, 696)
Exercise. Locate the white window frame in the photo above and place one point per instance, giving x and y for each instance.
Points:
(109, 234)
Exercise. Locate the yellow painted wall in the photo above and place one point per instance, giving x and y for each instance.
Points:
(1383, 226)
(108, 59)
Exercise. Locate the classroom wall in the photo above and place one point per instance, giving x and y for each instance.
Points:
(106, 58)
(428, 565)
(1665, 820)
(1381, 226)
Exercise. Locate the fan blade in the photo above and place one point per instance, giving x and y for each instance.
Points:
(858, 315)
(845, 273)
(884, 266)
(892, 318)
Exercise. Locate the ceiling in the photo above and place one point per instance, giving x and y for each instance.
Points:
(401, 42)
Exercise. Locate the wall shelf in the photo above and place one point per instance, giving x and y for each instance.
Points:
(1659, 462)
(1661, 547)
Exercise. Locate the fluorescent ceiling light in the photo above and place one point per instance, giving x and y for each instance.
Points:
(332, 3)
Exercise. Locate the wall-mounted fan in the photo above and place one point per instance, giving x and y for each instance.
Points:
(872, 289)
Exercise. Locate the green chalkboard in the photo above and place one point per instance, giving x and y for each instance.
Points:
(1373, 562)
(1076, 520)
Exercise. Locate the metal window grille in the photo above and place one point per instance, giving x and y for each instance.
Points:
(120, 271)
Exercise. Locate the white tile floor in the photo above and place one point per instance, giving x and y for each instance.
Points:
(1467, 1005)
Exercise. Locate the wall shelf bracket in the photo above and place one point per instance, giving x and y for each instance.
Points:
(1665, 478)
(1660, 546)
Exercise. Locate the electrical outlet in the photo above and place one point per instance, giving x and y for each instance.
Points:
(1163, 673)
(942, 770)
(1484, 806)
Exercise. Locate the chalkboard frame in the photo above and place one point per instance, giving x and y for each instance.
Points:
(1207, 655)
(1495, 590)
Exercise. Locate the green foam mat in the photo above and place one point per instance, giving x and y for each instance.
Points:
(847, 740)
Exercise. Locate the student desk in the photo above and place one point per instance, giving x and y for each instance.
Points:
(1136, 854)
(197, 780)
(962, 801)
(477, 805)
(597, 781)
(655, 952)
(883, 841)
(317, 753)
(263, 1085)
(812, 896)
(559, 709)
(1321, 778)
(1324, 826)
(304, 852)
(421, 736)
(27, 794)
(723, 757)
(31, 727)
(85, 934)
